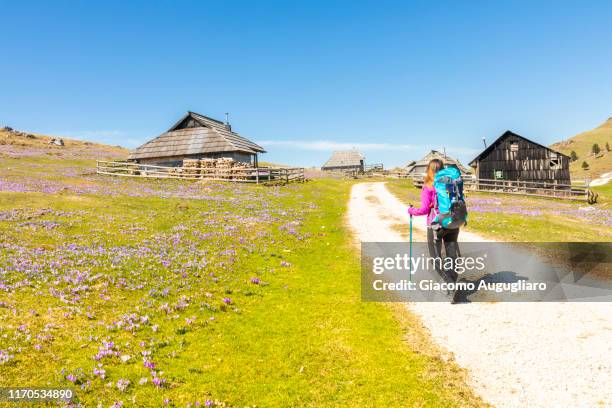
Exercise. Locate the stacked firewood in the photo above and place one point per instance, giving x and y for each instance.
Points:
(175, 171)
(191, 166)
(238, 172)
(223, 167)
(225, 163)
(207, 167)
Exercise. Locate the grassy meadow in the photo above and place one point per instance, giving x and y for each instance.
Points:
(173, 293)
(582, 144)
(509, 218)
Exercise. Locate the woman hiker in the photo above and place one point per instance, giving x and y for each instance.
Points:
(429, 208)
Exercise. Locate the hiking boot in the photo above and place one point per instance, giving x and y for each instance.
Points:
(446, 277)
(453, 275)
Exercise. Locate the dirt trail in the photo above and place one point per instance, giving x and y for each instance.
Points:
(518, 354)
(601, 180)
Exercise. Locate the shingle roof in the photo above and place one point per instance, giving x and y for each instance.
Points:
(345, 158)
(506, 134)
(434, 154)
(212, 136)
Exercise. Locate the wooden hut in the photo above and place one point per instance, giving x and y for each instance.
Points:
(345, 161)
(419, 168)
(513, 157)
(196, 136)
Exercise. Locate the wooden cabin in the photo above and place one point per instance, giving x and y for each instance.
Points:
(513, 157)
(419, 168)
(345, 161)
(196, 136)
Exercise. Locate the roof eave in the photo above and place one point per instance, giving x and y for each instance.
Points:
(506, 134)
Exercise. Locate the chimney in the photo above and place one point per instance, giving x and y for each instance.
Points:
(227, 124)
(484, 142)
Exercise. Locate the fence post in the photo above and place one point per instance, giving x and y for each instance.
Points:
(256, 175)
(287, 175)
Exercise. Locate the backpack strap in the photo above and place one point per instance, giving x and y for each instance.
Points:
(434, 209)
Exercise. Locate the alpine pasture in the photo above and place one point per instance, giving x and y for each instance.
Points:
(510, 218)
(174, 293)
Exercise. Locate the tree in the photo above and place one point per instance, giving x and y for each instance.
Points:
(573, 156)
(595, 149)
(607, 147)
(585, 165)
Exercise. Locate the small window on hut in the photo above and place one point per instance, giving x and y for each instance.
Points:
(514, 147)
(554, 164)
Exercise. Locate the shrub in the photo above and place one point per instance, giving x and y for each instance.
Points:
(573, 156)
(585, 165)
(595, 149)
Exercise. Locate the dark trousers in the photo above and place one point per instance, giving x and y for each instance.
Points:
(448, 237)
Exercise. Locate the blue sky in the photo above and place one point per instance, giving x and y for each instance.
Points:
(390, 78)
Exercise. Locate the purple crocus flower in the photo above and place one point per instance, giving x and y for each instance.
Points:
(157, 380)
(122, 384)
(99, 371)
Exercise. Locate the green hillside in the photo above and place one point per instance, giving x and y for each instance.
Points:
(582, 144)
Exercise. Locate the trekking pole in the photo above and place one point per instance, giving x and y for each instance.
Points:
(410, 264)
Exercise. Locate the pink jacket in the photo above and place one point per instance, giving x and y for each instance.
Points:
(428, 200)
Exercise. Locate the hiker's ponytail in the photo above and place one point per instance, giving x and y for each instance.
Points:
(434, 166)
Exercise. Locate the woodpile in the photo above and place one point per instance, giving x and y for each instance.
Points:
(207, 167)
(175, 171)
(223, 167)
(191, 166)
(238, 171)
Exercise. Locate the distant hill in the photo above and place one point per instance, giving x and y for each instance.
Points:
(17, 143)
(582, 144)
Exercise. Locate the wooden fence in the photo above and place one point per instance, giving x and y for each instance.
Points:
(574, 191)
(234, 174)
(376, 167)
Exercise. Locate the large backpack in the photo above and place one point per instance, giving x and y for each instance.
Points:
(450, 203)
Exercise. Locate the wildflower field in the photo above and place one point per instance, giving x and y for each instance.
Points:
(174, 293)
(509, 218)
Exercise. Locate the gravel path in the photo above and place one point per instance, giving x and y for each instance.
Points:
(517, 354)
(602, 180)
